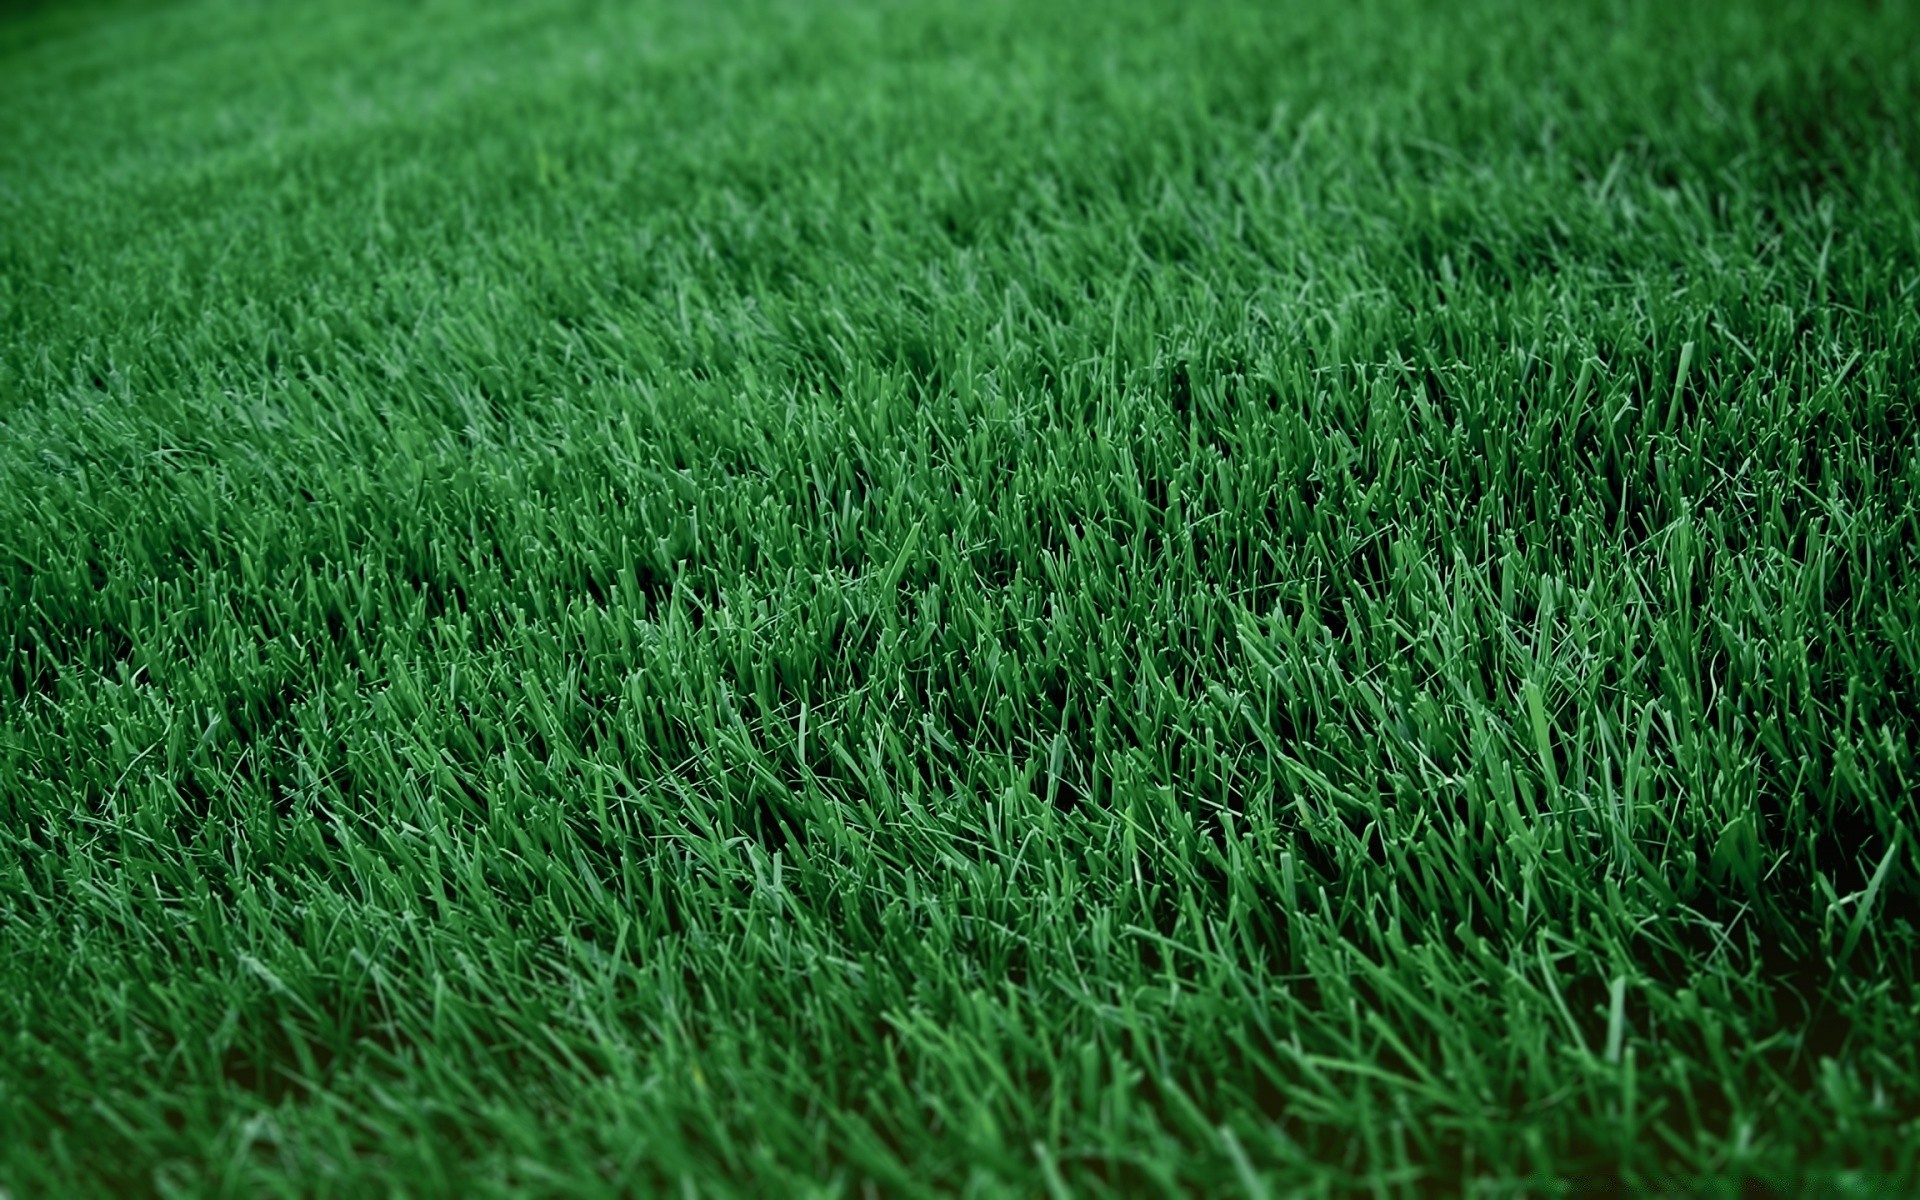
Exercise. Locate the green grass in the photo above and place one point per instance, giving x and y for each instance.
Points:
(772, 597)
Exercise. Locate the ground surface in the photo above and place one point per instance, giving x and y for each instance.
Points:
(781, 598)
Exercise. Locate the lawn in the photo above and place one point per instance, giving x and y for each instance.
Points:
(959, 597)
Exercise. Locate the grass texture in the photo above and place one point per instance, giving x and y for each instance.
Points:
(959, 597)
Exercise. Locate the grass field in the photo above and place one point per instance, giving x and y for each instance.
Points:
(911, 597)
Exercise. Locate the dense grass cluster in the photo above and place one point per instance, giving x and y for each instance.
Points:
(884, 598)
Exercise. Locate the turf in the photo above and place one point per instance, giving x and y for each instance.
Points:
(759, 597)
